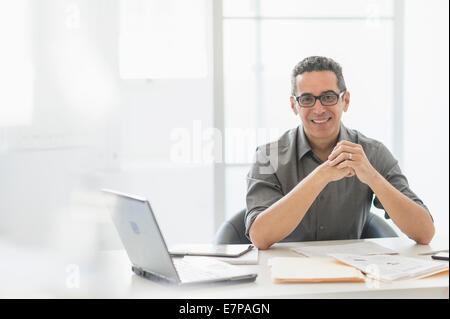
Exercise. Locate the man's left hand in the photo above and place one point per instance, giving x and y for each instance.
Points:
(348, 154)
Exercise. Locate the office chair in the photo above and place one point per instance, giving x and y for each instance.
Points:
(232, 231)
(376, 227)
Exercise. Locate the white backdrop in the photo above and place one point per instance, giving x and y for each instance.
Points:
(87, 128)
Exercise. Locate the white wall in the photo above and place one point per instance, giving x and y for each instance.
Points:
(426, 128)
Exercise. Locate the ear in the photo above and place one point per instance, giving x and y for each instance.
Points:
(294, 105)
(346, 100)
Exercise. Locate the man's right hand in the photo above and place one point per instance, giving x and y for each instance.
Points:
(332, 173)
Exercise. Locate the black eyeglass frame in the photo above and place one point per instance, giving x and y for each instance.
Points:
(319, 98)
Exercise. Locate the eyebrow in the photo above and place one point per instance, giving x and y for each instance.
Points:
(320, 92)
(327, 91)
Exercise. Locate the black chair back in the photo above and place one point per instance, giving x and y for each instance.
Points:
(232, 231)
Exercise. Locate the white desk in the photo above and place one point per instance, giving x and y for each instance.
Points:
(108, 275)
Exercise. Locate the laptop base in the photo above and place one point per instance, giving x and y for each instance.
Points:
(226, 281)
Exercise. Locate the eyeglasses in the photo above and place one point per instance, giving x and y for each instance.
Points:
(327, 99)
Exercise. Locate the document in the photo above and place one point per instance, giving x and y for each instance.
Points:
(390, 268)
(358, 248)
(311, 270)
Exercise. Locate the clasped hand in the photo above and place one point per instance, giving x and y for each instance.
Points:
(349, 159)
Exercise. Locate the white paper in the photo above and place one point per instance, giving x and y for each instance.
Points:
(358, 248)
(390, 268)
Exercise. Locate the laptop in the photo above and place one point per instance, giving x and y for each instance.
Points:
(146, 248)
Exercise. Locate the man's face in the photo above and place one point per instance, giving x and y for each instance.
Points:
(320, 122)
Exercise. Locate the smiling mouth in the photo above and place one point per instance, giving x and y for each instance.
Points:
(321, 121)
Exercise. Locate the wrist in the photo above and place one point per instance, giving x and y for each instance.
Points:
(375, 180)
(321, 175)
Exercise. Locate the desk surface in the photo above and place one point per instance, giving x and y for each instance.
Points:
(108, 274)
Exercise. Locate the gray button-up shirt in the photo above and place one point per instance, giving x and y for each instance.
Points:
(341, 209)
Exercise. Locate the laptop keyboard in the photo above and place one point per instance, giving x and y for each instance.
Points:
(189, 272)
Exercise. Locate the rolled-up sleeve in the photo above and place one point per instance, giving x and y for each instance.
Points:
(388, 167)
(263, 189)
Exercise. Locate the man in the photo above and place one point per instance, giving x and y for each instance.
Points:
(318, 180)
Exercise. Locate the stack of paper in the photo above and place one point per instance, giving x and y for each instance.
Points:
(303, 270)
(390, 268)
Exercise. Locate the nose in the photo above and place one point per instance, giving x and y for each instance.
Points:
(318, 107)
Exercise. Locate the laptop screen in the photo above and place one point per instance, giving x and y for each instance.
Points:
(141, 236)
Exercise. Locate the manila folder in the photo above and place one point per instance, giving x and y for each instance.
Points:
(305, 270)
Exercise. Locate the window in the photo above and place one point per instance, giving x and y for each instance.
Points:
(162, 39)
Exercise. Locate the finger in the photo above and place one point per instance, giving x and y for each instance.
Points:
(351, 172)
(338, 159)
(345, 164)
(345, 148)
(347, 143)
(342, 149)
(342, 157)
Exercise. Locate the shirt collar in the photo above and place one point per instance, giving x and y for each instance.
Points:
(303, 146)
(344, 134)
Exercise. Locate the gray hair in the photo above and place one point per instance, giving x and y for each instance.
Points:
(318, 63)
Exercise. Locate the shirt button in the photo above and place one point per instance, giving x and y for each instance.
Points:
(321, 227)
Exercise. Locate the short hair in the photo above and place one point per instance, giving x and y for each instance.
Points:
(318, 63)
